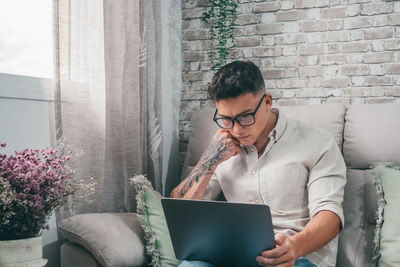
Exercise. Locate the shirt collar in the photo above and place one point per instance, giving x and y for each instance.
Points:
(276, 133)
(280, 126)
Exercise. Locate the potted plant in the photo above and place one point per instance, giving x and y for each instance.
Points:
(33, 184)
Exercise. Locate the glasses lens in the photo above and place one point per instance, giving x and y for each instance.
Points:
(245, 120)
(224, 123)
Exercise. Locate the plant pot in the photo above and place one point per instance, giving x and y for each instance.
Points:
(22, 252)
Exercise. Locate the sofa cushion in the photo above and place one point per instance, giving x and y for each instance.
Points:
(151, 216)
(387, 238)
(356, 240)
(370, 135)
(328, 116)
(113, 239)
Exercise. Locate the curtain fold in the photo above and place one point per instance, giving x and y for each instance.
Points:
(108, 96)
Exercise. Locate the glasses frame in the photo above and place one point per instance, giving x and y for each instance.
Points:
(236, 117)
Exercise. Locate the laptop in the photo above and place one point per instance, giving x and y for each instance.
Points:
(221, 233)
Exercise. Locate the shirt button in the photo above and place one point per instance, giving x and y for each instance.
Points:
(253, 172)
(258, 201)
(252, 149)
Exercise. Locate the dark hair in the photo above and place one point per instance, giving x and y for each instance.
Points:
(234, 79)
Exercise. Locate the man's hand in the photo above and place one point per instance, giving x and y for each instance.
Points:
(222, 147)
(283, 255)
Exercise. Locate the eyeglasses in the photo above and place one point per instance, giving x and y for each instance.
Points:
(243, 119)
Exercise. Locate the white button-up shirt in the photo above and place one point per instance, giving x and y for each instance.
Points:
(300, 173)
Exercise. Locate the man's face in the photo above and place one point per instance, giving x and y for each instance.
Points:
(244, 104)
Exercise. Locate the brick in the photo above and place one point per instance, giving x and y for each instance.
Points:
(333, 59)
(393, 91)
(286, 5)
(376, 69)
(379, 57)
(311, 3)
(381, 80)
(291, 39)
(311, 49)
(195, 34)
(290, 61)
(378, 45)
(358, 1)
(289, 27)
(335, 25)
(315, 82)
(358, 81)
(291, 72)
(376, 9)
(192, 13)
(272, 73)
(379, 100)
(269, 28)
(267, 51)
(268, 18)
(396, 8)
(198, 45)
(289, 93)
(332, 48)
(289, 50)
(292, 102)
(189, 4)
(194, 55)
(245, 8)
(332, 70)
(393, 68)
(247, 52)
(194, 66)
(394, 19)
(378, 33)
(357, 22)
(194, 95)
(185, 24)
(355, 58)
(338, 36)
(266, 62)
(248, 41)
(380, 21)
(357, 35)
(312, 92)
(267, 7)
(292, 15)
(314, 13)
(317, 37)
(352, 92)
(336, 82)
(334, 100)
(268, 40)
(312, 26)
(248, 19)
(246, 30)
(392, 44)
(334, 13)
(310, 71)
(353, 10)
(312, 60)
(291, 83)
(351, 70)
(353, 47)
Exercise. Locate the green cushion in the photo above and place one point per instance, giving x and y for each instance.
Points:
(387, 236)
(151, 215)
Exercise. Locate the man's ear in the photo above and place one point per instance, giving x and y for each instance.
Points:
(268, 100)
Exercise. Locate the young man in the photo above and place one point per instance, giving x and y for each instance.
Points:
(260, 156)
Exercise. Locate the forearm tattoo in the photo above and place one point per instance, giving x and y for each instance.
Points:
(213, 156)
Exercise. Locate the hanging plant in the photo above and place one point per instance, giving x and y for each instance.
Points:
(220, 19)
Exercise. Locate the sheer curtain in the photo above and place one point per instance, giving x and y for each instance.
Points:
(108, 96)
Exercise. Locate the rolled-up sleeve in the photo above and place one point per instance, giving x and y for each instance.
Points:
(213, 188)
(327, 179)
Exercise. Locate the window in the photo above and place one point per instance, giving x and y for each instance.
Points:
(26, 38)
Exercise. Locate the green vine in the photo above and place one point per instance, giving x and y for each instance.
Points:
(220, 19)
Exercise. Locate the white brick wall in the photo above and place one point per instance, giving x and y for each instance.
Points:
(309, 51)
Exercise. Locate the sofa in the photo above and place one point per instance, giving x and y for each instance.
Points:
(364, 133)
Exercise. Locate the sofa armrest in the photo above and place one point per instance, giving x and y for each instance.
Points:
(113, 239)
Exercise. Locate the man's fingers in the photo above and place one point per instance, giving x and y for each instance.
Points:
(275, 253)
